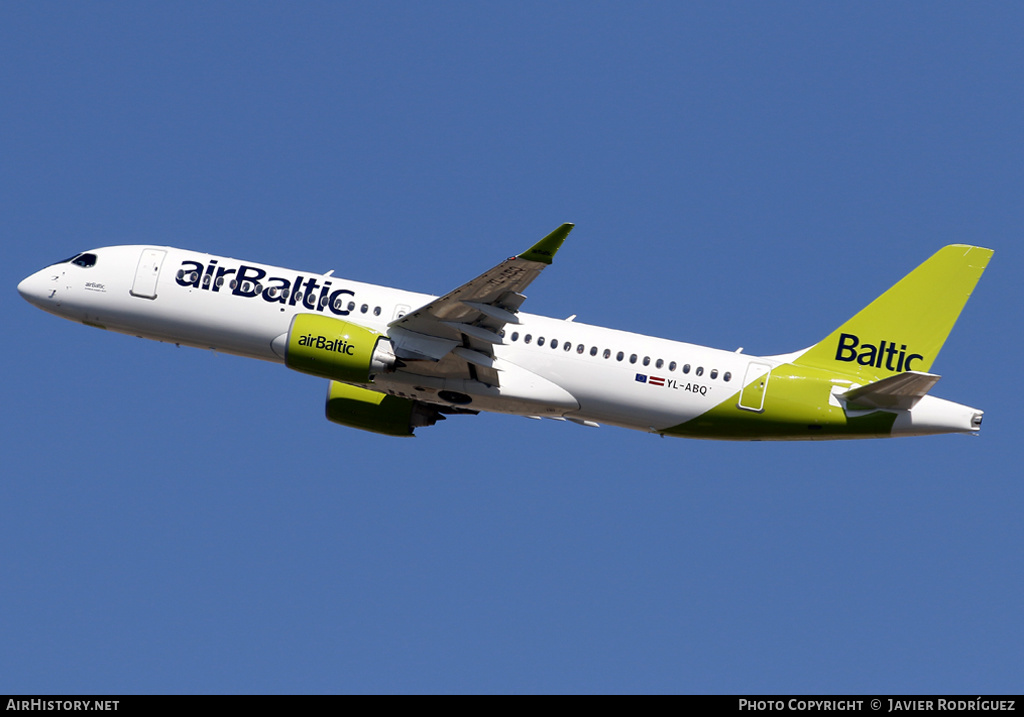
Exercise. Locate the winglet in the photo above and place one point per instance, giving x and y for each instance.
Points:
(544, 250)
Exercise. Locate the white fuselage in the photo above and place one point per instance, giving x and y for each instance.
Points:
(595, 374)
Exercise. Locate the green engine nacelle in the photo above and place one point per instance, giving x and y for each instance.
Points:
(336, 349)
(378, 412)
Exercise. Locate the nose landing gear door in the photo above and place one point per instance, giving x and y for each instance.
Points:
(147, 273)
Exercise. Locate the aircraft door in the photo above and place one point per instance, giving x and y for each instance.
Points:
(147, 273)
(755, 384)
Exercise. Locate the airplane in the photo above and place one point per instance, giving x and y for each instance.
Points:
(398, 360)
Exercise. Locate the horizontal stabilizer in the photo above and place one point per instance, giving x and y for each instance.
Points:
(899, 392)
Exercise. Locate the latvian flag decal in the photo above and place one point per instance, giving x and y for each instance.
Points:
(653, 380)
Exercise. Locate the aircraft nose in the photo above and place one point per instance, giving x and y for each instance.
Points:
(34, 289)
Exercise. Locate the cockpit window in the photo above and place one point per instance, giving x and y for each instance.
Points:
(85, 260)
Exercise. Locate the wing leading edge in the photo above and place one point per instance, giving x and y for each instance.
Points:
(455, 335)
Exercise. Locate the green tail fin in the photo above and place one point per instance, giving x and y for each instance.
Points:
(904, 328)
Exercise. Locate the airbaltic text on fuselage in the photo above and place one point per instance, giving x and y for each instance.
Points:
(252, 282)
(878, 356)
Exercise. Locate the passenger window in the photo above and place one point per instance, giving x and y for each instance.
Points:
(607, 353)
(686, 368)
(206, 281)
(632, 358)
(554, 344)
(527, 339)
(363, 309)
(714, 373)
(659, 363)
(579, 349)
(619, 356)
(647, 360)
(540, 341)
(672, 366)
(727, 377)
(376, 311)
(515, 335)
(351, 306)
(593, 351)
(699, 371)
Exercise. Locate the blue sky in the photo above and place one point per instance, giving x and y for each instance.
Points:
(740, 174)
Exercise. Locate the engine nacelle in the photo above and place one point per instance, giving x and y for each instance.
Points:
(377, 412)
(335, 349)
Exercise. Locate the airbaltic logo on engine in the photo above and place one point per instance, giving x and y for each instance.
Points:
(882, 355)
(252, 282)
(325, 344)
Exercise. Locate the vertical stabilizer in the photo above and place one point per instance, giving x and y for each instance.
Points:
(904, 328)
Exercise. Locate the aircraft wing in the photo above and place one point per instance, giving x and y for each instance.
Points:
(455, 335)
